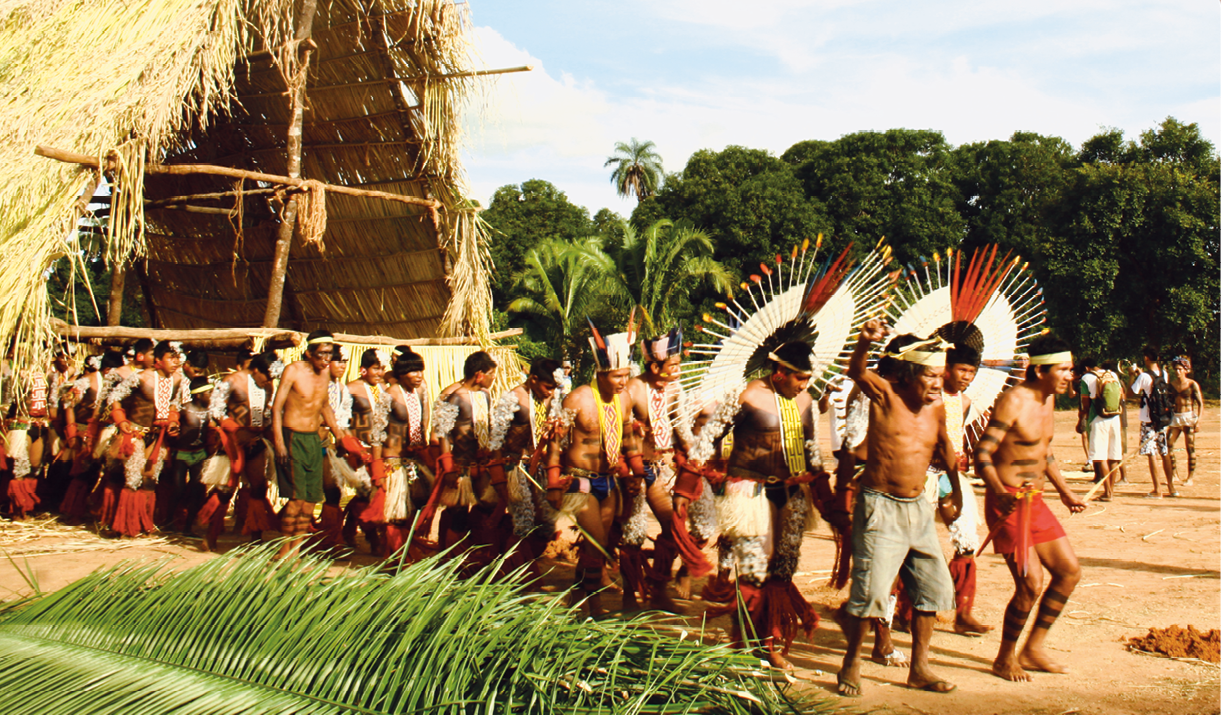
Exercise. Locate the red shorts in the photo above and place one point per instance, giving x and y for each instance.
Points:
(1043, 524)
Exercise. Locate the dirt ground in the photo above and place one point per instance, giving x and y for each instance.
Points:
(1146, 563)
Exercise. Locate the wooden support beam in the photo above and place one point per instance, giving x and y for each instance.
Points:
(114, 308)
(187, 169)
(142, 275)
(199, 197)
(288, 217)
(192, 209)
(228, 335)
(395, 80)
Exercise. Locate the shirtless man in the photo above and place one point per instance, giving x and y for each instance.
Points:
(145, 409)
(334, 471)
(246, 395)
(407, 477)
(80, 432)
(369, 406)
(655, 395)
(301, 407)
(584, 463)
(195, 441)
(1014, 459)
(1188, 406)
(893, 532)
(764, 502)
(522, 424)
(472, 479)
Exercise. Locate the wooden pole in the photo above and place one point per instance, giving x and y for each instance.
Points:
(72, 157)
(114, 309)
(141, 267)
(288, 219)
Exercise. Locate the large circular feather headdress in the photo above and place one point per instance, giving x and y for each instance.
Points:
(821, 302)
(993, 306)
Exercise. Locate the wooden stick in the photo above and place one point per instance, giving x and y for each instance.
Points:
(396, 80)
(186, 169)
(213, 195)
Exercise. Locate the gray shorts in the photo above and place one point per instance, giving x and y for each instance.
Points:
(892, 536)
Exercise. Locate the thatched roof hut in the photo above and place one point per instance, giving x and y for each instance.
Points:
(233, 135)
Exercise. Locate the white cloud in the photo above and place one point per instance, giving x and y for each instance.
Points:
(840, 73)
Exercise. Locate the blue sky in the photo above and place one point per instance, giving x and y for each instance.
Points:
(704, 74)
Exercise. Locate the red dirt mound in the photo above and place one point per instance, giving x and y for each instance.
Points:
(1179, 642)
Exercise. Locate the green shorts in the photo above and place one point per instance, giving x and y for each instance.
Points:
(305, 455)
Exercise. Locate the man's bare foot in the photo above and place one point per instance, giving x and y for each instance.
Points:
(661, 601)
(207, 546)
(1036, 659)
(595, 606)
(967, 625)
(779, 661)
(849, 680)
(931, 683)
(1009, 669)
(629, 601)
(682, 587)
(894, 658)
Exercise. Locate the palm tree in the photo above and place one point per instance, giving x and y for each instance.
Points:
(654, 269)
(637, 169)
(560, 286)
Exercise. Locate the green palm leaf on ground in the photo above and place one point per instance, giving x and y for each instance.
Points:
(244, 633)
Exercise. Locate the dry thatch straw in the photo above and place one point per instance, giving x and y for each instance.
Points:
(143, 81)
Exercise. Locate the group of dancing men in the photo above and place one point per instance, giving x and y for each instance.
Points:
(154, 442)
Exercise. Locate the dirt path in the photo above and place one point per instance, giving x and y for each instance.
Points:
(1147, 563)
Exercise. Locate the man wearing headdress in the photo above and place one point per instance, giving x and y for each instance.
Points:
(301, 407)
(336, 472)
(764, 502)
(402, 475)
(1014, 459)
(81, 430)
(523, 422)
(241, 404)
(370, 404)
(145, 407)
(594, 447)
(893, 532)
(28, 425)
(655, 396)
(195, 441)
(470, 477)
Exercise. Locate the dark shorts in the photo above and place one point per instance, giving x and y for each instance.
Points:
(598, 485)
(305, 456)
(1043, 524)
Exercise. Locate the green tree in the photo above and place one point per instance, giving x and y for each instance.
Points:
(657, 269)
(1009, 192)
(638, 169)
(522, 217)
(896, 184)
(749, 203)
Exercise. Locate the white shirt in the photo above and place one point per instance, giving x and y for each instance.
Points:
(1143, 385)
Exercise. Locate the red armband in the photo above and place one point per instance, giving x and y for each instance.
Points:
(620, 469)
(636, 464)
(688, 482)
(377, 472)
(555, 478)
(70, 430)
(824, 499)
(117, 414)
(173, 418)
(445, 464)
(496, 470)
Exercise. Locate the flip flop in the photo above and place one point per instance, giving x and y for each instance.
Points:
(1172, 494)
(939, 686)
(1153, 495)
(846, 689)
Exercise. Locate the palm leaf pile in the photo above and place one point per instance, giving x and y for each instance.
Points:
(244, 633)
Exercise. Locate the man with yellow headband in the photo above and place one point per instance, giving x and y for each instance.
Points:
(764, 498)
(593, 448)
(300, 408)
(893, 531)
(1014, 459)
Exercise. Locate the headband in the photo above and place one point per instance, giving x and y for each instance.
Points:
(202, 388)
(787, 365)
(1051, 358)
(322, 339)
(920, 354)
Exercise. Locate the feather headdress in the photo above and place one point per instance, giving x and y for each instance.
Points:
(612, 352)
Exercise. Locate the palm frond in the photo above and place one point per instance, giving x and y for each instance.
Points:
(246, 633)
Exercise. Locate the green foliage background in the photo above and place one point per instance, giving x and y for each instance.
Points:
(1122, 233)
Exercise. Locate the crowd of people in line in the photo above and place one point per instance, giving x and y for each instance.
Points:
(149, 440)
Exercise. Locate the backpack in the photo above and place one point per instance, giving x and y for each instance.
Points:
(1110, 394)
(1159, 401)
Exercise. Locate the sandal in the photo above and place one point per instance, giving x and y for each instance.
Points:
(1153, 495)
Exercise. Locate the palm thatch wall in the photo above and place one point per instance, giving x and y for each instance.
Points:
(148, 85)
